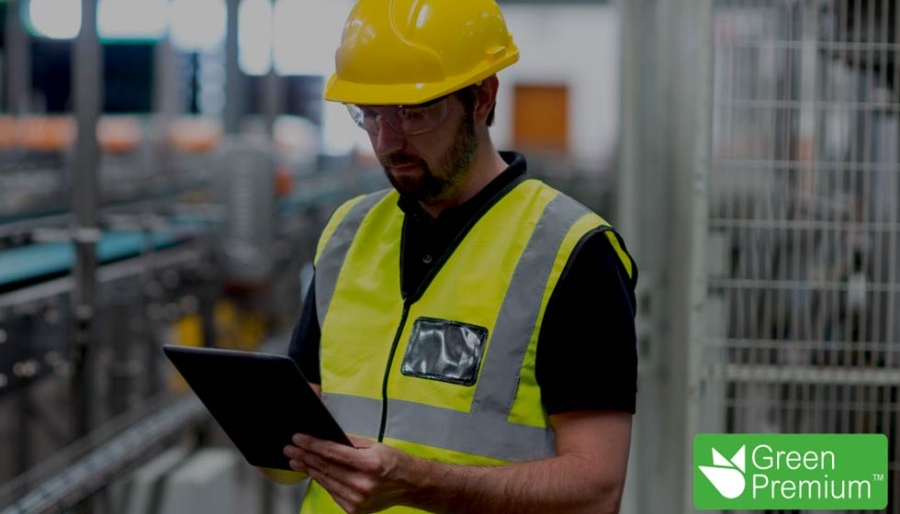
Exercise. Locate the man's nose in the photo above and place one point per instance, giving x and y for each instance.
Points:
(388, 140)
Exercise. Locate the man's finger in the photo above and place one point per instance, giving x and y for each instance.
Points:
(328, 450)
(346, 497)
(298, 465)
(333, 470)
(296, 458)
(292, 452)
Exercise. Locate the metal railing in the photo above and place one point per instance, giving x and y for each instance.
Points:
(92, 463)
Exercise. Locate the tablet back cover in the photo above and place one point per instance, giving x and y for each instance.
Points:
(259, 400)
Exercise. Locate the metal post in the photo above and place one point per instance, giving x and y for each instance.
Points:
(234, 100)
(273, 103)
(166, 88)
(691, 139)
(661, 210)
(273, 92)
(626, 210)
(27, 329)
(273, 100)
(643, 208)
(122, 368)
(23, 430)
(153, 381)
(169, 102)
(144, 334)
(18, 71)
(632, 40)
(87, 87)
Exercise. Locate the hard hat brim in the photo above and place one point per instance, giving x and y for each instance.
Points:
(340, 90)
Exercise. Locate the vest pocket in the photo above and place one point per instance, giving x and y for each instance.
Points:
(449, 351)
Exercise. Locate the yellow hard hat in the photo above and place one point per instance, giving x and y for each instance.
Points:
(411, 51)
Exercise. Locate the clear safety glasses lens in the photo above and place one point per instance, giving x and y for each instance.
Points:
(404, 120)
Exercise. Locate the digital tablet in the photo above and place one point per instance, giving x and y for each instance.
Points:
(260, 400)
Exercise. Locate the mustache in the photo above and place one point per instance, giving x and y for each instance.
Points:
(399, 160)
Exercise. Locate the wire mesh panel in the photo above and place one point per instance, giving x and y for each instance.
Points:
(803, 332)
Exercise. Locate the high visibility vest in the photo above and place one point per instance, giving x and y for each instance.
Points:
(448, 375)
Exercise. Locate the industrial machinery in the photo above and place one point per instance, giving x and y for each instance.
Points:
(206, 251)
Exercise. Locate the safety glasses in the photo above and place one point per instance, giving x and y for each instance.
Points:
(406, 120)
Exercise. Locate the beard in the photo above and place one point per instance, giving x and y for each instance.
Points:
(450, 174)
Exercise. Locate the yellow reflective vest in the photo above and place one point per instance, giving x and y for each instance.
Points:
(448, 375)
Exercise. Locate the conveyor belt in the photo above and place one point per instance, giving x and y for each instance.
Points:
(37, 262)
(155, 195)
(42, 346)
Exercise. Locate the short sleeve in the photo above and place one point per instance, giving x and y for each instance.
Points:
(587, 347)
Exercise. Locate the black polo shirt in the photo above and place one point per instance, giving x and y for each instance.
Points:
(586, 355)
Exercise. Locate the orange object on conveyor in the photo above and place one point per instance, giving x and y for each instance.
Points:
(119, 134)
(46, 133)
(7, 131)
(284, 182)
(195, 135)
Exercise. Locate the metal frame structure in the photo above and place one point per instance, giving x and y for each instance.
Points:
(88, 467)
(803, 224)
(761, 178)
(115, 315)
(37, 322)
(88, 91)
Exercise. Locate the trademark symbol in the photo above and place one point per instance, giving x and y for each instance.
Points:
(878, 477)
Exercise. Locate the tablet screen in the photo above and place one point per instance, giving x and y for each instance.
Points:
(260, 400)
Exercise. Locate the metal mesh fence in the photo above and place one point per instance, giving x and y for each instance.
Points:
(802, 331)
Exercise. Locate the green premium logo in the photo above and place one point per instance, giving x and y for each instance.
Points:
(790, 471)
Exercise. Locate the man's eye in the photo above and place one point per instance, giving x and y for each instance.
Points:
(412, 114)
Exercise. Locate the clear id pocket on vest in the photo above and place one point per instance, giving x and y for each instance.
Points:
(444, 350)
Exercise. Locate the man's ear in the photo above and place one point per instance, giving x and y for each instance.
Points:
(485, 98)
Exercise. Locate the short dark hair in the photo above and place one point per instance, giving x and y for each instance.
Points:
(467, 96)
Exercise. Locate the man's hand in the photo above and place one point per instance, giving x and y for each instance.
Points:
(367, 478)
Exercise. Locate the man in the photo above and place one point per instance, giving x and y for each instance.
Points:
(473, 329)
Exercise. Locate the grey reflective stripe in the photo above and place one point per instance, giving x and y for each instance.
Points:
(329, 264)
(485, 434)
(355, 414)
(518, 315)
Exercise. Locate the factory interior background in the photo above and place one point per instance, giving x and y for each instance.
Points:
(748, 151)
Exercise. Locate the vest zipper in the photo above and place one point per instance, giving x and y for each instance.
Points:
(387, 371)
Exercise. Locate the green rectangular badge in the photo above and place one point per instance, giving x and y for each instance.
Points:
(790, 471)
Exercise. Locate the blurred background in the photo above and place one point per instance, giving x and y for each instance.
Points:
(747, 150)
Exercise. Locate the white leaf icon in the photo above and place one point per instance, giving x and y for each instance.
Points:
(722, 474)
(739, 458)
(729, 482)
(719, 460)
